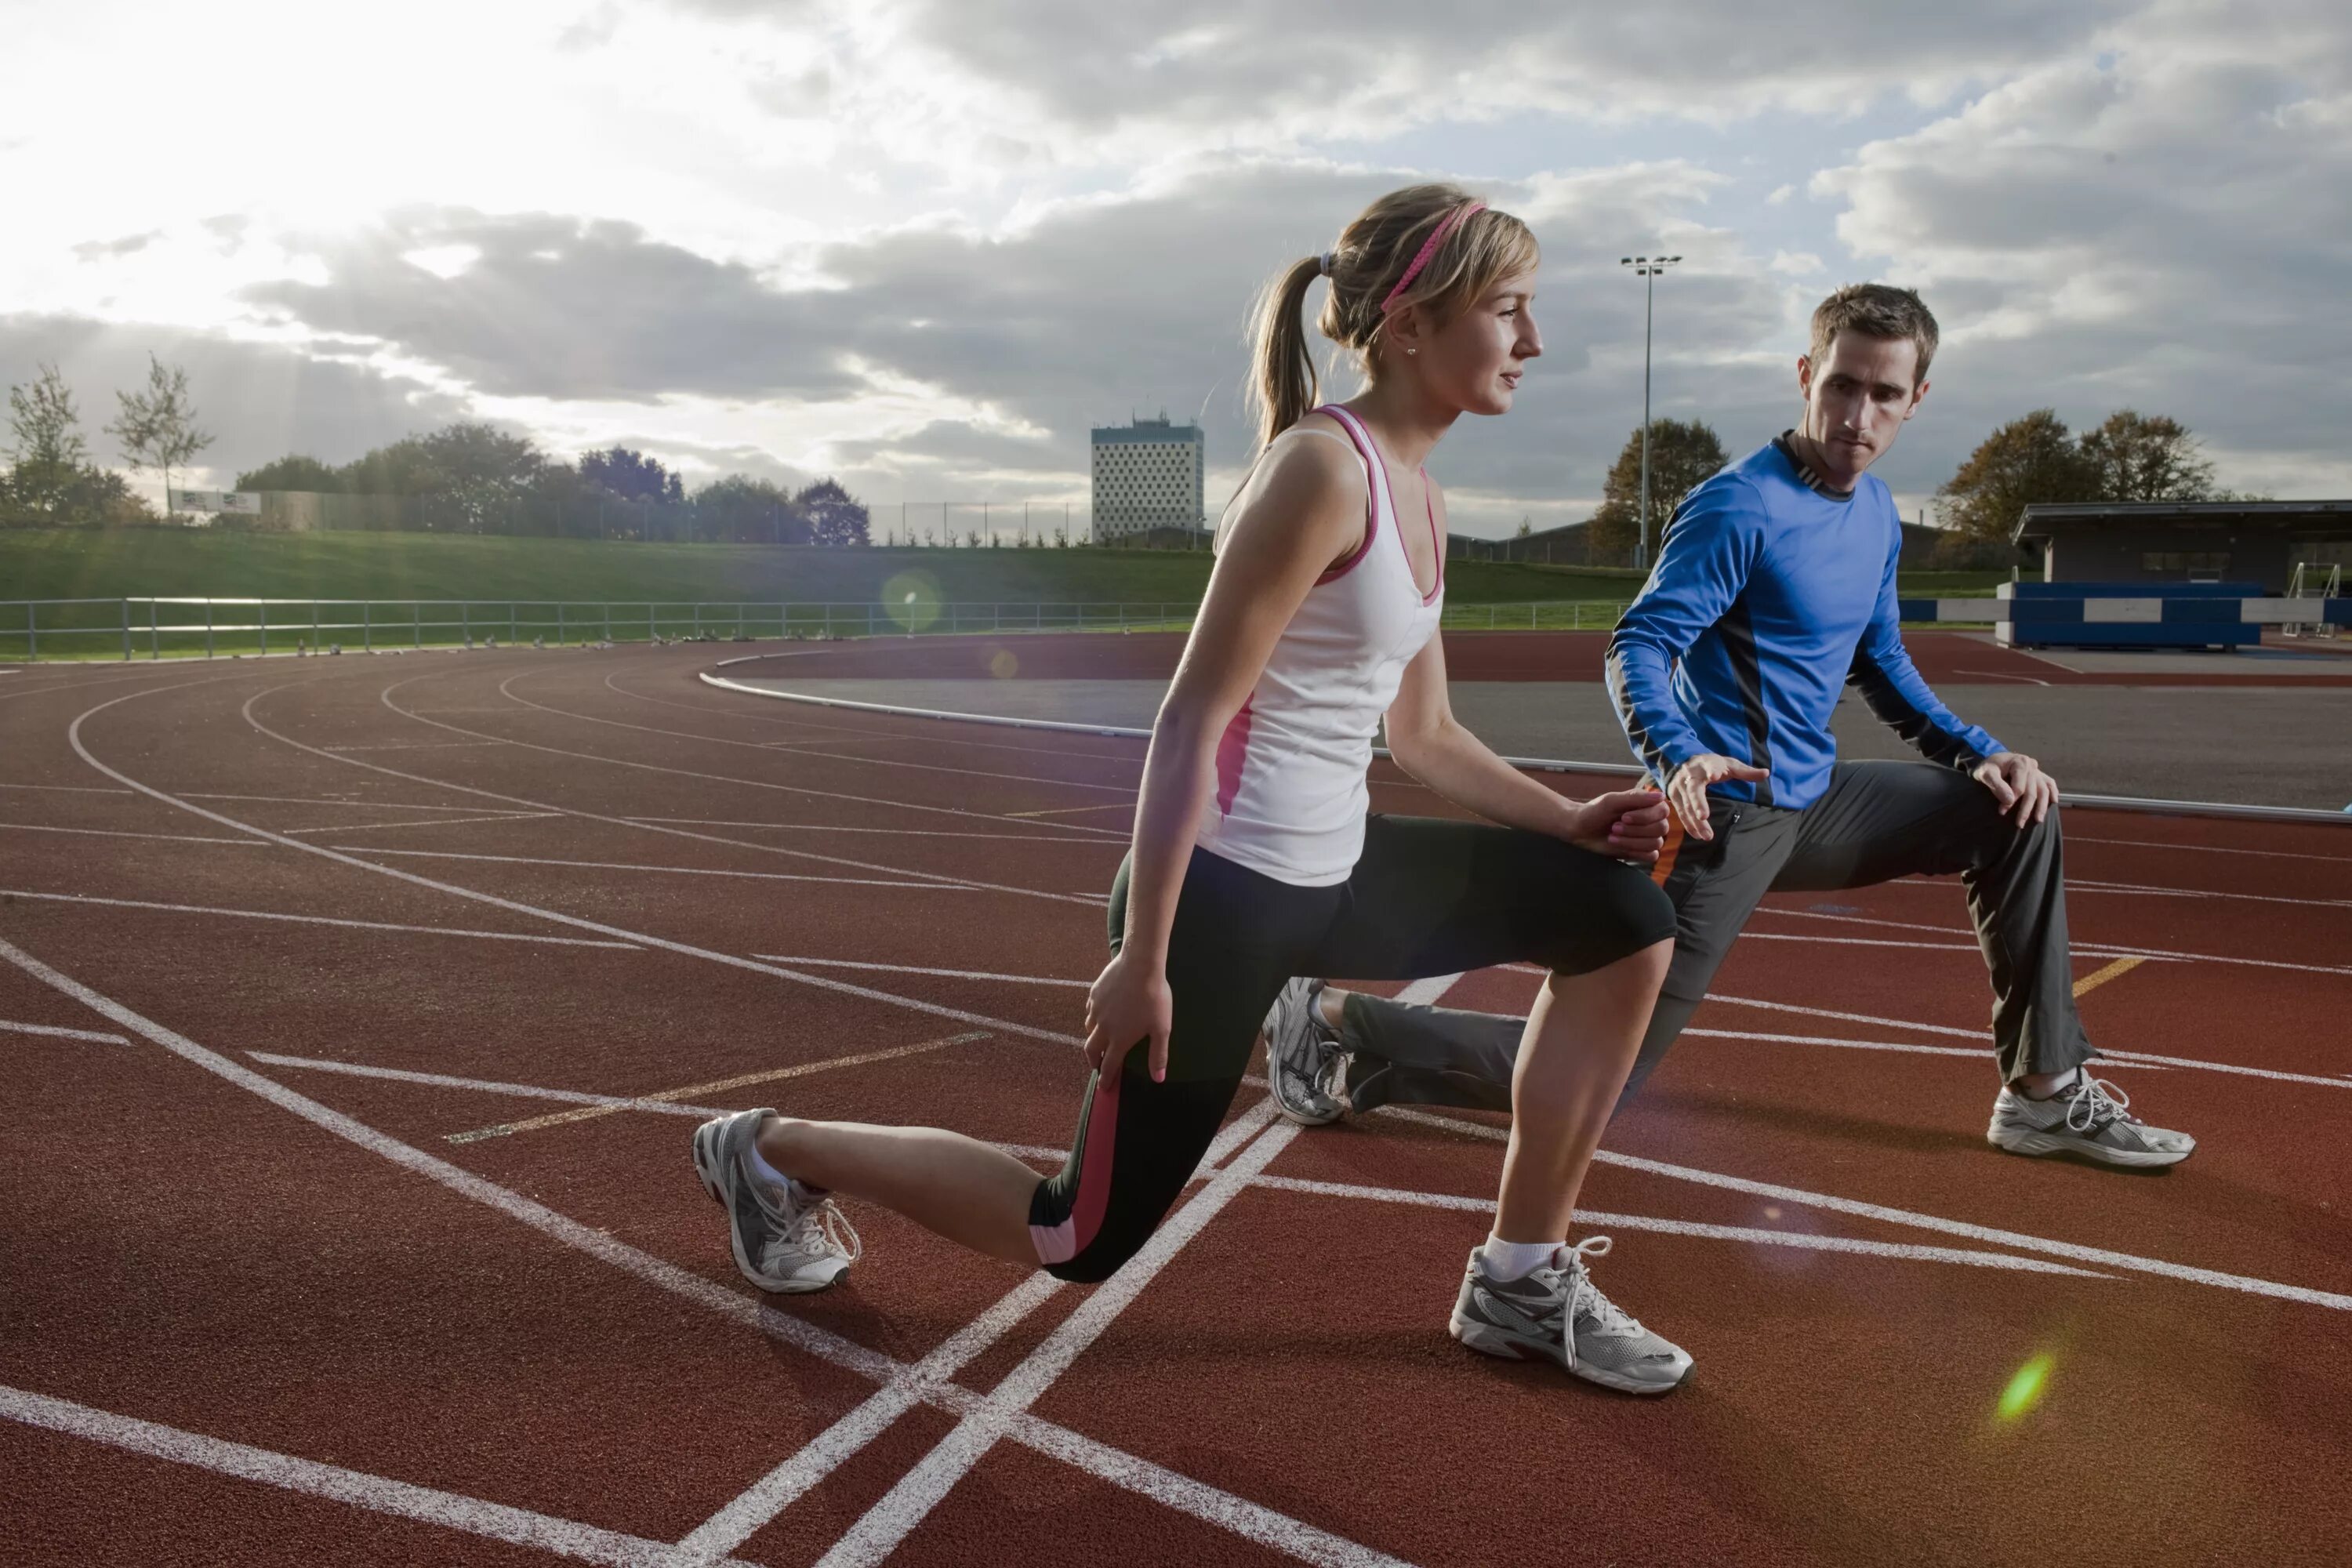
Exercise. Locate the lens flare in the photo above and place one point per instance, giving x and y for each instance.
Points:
(912, 601)
(2025, 1389)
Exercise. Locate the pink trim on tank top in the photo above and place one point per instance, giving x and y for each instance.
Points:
(1233, 756)
(1371, 507)
(1362, 439)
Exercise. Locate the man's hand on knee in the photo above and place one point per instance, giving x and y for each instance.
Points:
(2025, 792)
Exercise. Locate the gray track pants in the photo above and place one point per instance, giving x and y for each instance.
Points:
(1876, 822)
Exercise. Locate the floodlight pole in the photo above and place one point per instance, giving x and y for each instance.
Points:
(1646, 267)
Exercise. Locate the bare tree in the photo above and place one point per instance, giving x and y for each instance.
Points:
(158, 428)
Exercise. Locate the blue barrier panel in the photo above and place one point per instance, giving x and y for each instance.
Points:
(2129, 615)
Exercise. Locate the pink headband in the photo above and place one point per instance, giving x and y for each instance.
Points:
(1428, 249)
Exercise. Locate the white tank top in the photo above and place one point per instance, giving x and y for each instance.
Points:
(1290, 797)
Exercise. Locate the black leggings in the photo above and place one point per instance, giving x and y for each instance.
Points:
(1426, 897)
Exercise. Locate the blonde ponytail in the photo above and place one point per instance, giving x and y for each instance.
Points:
(1282, 382)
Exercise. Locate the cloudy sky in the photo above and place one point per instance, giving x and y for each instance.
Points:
(923, 245)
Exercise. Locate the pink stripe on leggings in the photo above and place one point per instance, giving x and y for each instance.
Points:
(1059, 1244)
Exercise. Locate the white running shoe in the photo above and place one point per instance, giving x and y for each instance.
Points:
(789, 1239)
(1557, 1313)
(1302, 1055)
(2088, 1118)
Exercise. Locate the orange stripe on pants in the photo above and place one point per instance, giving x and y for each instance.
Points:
(1668, 851)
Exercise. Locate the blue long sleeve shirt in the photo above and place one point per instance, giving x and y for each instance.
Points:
(1772, 591)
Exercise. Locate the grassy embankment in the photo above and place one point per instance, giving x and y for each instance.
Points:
(512, 586)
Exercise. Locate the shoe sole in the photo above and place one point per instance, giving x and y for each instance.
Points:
(1301, 1117)
(706, 1155)
(2037, 1143)
(1487, 1340)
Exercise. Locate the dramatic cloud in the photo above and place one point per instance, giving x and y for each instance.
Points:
(259, 400)
(926, 246)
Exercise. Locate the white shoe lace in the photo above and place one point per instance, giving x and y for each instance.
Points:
(821, 1230)
(2097, 1102)
(1608, 1317)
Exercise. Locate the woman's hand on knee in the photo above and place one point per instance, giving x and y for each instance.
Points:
(1129, 1002)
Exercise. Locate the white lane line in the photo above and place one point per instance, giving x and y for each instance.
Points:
(315, 920)
(561, 1095)
(876, 1534)
(2075, 885)
(66, 789)
(486, 1086)
(1198, 1498)
(1977, 1055)
(73, 737)
(859, 737)
(385, 697)
(2149, 890)
(1984, 1035)
(414, 746)
(2083, 949)
(764, 1499)
(317, 800)
(725, 1085)
(376, 1494)
(2211, 849)
(51, 1031)
(672, 870)
(118, 833)
(506, 690)
(890, 832)
(775, 1491)
(914, 969)
(2143, 1058)
(1755, 1236)
(2114, 1058)
(1426, 992)
(2009, 1238)
(428, 822)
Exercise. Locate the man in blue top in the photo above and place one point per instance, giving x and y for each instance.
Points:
(1775, 587)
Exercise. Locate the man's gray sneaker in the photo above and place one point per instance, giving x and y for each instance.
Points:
(1557, 1313)
(788, 1239)
(2087, 1118)
(1302, 1055)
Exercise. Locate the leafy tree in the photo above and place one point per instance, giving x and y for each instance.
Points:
(632, 476)
(2142, 457)
(47, 429)
(750, 511)
(292, 473)
(474, 476)
(2027, 460)
(50, 458)
(1682, 453)
(834, 516)
(402, 468)
(157, 427)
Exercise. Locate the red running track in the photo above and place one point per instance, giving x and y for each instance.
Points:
(321, 1247)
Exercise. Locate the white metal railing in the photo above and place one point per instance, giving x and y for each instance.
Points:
(183, 627)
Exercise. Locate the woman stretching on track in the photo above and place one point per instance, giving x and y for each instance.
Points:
(1254, 859)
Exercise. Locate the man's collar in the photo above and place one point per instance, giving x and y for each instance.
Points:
(1786, 441)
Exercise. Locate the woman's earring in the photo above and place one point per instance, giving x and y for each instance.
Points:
(1412, 350)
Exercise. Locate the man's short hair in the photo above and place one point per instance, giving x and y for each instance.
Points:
(1876, 310)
